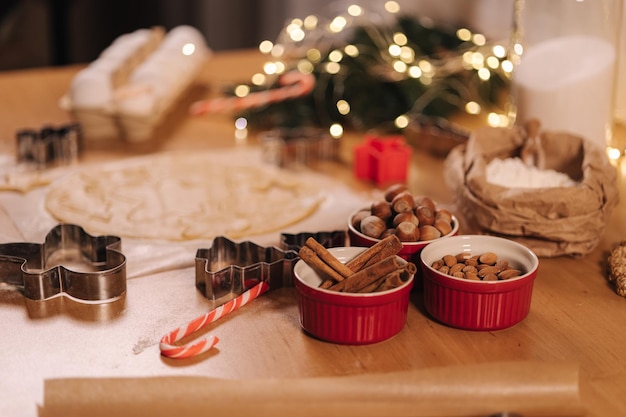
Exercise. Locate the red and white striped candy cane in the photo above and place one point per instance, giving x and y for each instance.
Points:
(195, 348)
(293, 84)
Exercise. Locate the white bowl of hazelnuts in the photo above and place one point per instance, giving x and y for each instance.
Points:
(415, 220)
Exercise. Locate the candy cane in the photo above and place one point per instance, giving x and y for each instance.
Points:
(293, 84)
(195, 348)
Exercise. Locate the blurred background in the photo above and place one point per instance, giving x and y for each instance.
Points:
(36, 33)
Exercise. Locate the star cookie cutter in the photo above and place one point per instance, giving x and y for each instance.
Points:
(228, 268)
(43, 271)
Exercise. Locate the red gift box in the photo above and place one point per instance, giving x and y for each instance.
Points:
(383, 160)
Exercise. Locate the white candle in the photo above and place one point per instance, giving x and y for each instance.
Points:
(567, 84)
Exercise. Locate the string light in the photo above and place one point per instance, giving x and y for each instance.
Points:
(313, 46)
(613, 153)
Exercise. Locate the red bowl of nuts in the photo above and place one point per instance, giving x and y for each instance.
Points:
(416, 220)
(478, 282)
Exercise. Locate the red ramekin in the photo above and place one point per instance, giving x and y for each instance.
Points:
(349, 318)
(478, 305)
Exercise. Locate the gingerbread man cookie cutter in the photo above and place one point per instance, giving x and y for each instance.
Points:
(70, 262)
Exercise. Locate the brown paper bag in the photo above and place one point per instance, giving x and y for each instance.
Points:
(551, 221)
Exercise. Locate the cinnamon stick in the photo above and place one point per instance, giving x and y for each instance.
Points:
(327, 283)
(328, 257)
(388, 246)
(367, 275)
(391, 280)
(310, 257)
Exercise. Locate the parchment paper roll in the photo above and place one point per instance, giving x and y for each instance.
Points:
(527, 388)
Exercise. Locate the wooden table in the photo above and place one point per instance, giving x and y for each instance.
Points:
(575, 314)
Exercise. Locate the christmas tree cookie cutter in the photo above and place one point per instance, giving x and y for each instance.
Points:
(228, 268)
(70, 262)
(330, 239)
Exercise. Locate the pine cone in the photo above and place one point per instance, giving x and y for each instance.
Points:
(617, 268)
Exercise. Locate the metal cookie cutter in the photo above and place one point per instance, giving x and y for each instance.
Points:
(228, 268)
(43, 271)
(294, 242)
(49, 145)
(298, 147)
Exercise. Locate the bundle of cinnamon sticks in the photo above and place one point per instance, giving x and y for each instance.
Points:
(375, 269)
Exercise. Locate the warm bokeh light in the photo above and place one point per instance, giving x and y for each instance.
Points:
(402, 121)
(335, 56)
(484, 74)
(336, 130)
(471, 107)
(399, 66)
(269, 68)
(338, 24)
(414, 71)
(258, 79)
(314, 55)
(241, 129)
(464, 34)
(242, 90)
(479, 39)
(499, 51)
(400, 38)
(613, 153)
(355, 10)
(332, 67)
(351, 50)
(497, 120)
(305, 66)
(507, 66)
(310, 22)
(277, 50)
(266, 46)
(189, 49)
(392, 7)
(394, 50)
(343, 107)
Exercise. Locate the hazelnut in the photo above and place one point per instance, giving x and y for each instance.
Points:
(407, 232)
(405, 216)
(443, 214)
(443, 226)
(358, 216)
(394, 190)
(403, 202)
(425, 201)
(428, 232)
(381, 209)
(373, 226)
(425, 215)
